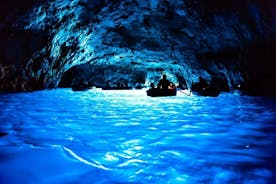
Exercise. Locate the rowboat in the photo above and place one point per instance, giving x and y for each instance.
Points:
(155, 92)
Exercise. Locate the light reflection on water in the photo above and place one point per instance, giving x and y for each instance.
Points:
(127, 137)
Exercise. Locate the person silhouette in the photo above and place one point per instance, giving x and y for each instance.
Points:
(152, 85)
(163, 83)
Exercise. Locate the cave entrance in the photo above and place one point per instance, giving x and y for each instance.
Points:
(103, 76)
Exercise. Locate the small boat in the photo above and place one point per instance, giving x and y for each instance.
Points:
(212, 92)
(207, 93)
(155, 92)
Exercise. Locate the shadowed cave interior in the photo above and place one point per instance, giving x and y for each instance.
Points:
(129, 44)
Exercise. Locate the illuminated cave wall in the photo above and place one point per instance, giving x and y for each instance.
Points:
(132, 42)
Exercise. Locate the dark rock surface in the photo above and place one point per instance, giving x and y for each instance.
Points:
(129, 43)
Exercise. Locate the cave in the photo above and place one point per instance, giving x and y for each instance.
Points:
(74, 80)
(233, 41)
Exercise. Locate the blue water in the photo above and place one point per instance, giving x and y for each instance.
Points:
(61, 136)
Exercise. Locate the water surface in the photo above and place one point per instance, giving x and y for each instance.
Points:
(61, 136)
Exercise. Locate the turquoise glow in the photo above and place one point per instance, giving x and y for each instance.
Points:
(60, 136)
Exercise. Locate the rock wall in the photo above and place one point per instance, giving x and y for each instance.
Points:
(133, 42)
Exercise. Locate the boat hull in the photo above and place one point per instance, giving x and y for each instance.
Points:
(161, 92)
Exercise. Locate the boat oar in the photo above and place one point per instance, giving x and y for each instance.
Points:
(184, 92)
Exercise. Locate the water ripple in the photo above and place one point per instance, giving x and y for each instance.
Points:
(126, 137)
(97, 165)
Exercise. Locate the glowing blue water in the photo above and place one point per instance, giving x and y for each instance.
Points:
(60, 136)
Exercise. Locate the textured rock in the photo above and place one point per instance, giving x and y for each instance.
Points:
(131, 43)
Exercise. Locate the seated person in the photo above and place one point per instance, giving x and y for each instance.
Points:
(152, 86)
(163, 83)
(171, 86)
